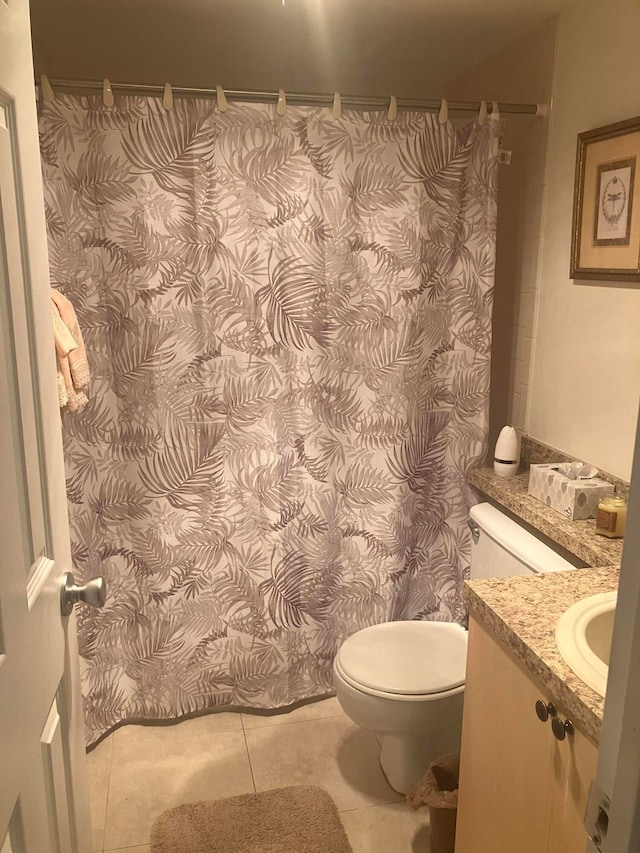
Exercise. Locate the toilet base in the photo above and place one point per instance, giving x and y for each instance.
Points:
(404, 758)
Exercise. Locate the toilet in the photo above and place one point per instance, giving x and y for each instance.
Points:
(405, 680)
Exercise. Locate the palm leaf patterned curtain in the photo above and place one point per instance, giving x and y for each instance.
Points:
(288, 322)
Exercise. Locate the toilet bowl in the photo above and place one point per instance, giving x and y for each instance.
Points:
(405, 681)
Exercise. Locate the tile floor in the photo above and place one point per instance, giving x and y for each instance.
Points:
(139, 771)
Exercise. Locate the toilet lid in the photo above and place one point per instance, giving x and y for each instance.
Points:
(406, 657)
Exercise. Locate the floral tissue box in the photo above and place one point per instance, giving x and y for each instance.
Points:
(574, 498)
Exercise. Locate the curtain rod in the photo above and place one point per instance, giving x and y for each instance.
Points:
(306, 98)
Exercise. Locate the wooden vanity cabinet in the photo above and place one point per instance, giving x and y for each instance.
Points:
(521, 789)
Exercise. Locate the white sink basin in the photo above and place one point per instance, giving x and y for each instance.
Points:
(583, 637)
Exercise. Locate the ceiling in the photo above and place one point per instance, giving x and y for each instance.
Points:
(410, 48)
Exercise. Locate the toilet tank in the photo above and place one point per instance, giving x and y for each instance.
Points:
(501, 547)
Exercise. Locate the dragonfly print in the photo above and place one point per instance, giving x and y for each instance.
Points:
(288, 321)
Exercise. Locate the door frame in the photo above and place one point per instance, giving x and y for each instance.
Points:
(618, 774)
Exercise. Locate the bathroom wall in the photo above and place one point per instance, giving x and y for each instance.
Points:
(566, 353)
(360, 46)
(523, 72)
(586, 371)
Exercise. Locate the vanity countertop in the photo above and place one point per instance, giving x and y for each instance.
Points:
(577, 537)
(523, 611)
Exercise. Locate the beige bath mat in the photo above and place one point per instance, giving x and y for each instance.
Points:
(300, 819)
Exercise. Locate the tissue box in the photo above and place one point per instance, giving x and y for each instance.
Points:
(575, 499)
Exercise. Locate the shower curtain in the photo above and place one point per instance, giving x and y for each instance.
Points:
(288, 322)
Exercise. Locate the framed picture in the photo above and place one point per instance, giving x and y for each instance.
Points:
(606, 213)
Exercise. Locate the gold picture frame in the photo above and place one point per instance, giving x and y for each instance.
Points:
(605, 243)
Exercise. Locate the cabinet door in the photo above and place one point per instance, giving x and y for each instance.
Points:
(506, 776)
(574, 764)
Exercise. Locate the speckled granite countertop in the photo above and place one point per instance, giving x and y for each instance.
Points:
(523, 611)
(578, 537)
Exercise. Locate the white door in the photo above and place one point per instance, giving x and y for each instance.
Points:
(43, 791)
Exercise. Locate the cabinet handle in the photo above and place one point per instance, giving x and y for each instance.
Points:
(560, 729)
(544, 710)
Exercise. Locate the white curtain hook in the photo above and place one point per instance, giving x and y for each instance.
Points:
(167, 97)
(107, 93)
(495, 109)
(281, 108)
(482, 115)
(45, 89)
(336, 109)
(221, 98)
(392, 112)
(443, 115)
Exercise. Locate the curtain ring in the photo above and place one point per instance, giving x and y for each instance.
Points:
(167, 97)
(221, 99)
(281, 108)
(45, 89)
(107, 93)
(392, 112)
(443, 115)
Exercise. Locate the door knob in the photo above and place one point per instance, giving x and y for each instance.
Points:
(544, 710)
(93, 593)
(560, 729)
